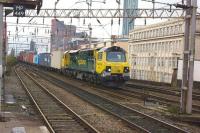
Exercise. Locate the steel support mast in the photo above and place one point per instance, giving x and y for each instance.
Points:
(188, 57)
(1, 52)
(184, 87)
(191, 56)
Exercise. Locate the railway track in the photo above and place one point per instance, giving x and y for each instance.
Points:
(131, 117)
(145, 93)
(160, 89)
(58, 117)
(165, 100)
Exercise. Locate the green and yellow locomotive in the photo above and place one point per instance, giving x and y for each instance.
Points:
(108, 66)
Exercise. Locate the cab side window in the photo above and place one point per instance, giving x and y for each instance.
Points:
(100, 56)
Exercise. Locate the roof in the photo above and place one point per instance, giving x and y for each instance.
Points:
(103, 49)
(112, 48)
(67, 51)
(87, 49)
(73, 51)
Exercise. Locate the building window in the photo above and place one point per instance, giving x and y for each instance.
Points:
(140, 35)
(174, 62)
(157, 46)
(165, 31)
(168, 32)
(171, 30)
(152, 33)
(170, 46)
(180, 28)
(161, 32)
(162, 62)
(162, 46)
(170, 62)
(167, 46)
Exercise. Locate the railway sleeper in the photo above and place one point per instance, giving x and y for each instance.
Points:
(70, 130)
(61, 114)
(72, 126)
(64, 120)
(59, 118)
(53, 111)
(67, 123)
(58, 115)
(49, 106)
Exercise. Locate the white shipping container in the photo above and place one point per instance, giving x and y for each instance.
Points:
(56, 59)
(196, 70)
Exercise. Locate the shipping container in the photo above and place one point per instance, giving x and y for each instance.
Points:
(44, 59)
(30, 56)
(25, 57)
(35, 59)
(21, 56)
(56, 59)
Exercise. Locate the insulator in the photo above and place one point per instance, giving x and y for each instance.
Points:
(111, 21)
(83, 21)
(43, 20)
(98, 21)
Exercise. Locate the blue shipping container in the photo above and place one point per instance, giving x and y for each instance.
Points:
(44, 59)
(35, 59)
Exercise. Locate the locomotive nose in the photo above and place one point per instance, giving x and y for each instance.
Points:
(117, 69)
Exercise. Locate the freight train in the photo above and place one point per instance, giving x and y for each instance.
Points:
(108, 66)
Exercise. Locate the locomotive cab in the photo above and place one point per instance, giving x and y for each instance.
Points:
(112, 64)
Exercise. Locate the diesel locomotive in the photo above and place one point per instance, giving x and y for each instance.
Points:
(108, 65)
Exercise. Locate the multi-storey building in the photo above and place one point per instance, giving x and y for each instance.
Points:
(128, 24)
(155, 49)
(64, 37)
(61, 34)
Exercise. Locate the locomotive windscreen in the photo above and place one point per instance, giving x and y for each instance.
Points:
(116, 56)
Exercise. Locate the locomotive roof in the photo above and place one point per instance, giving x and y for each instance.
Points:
(87, 49)
(104, 49)
(73, 51)
(66, 51)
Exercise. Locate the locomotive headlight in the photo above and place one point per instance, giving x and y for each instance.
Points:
(108, 69)
(126, 69)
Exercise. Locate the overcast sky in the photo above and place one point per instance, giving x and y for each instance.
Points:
(98, 31)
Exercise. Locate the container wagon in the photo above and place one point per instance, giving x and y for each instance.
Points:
(56, 60)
